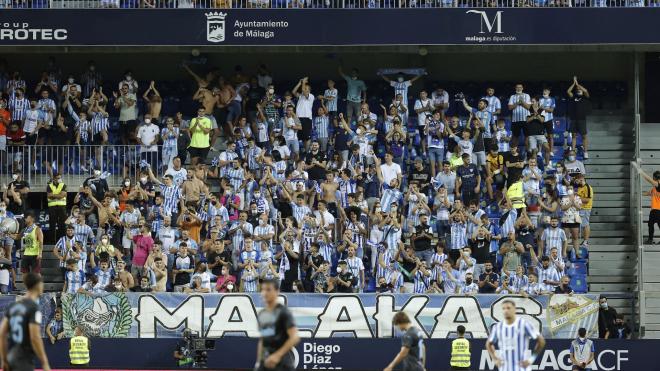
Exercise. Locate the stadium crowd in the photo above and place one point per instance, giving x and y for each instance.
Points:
(448, 194)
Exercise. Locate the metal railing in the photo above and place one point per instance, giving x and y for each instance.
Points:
(316, 4)
(75, 163)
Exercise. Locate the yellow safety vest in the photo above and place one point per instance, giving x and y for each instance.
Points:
(56, 190)
(79, 350)
(460, 353)
(30, 242)
(198, 139)
(516, 195)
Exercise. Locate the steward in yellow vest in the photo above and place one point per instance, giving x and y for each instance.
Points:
(79, 349)
(56, 195)
(460, 351)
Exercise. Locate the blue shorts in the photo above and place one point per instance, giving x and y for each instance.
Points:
(233, 111)
(436, 154)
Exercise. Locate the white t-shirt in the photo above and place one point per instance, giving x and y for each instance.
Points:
(178, 175)
(147, 134)
(440, 98)
(304, 106)
(421, 117)
(390, 172)
(289, 131)
(283, 150)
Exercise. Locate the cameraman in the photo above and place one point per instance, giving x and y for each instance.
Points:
(346, 281)
(182, 352)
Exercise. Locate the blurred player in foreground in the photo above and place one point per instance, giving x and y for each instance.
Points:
(278, 332)
(412, 355)
(511, 337)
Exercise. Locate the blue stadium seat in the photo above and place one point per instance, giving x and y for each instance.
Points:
(578, 267)
(579, 283)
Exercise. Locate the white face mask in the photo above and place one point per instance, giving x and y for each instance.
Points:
(377, 209)
(143, 179)
(400, 79)
(227, 192)
(14, 177)
(262, 222)
(129, 78)
(70, 80)
(338, 269)
(104, 241)
(147, 121)
(127, 184)
(257, 195)
(358, 131)
(394, 208)
(97, 172)
(271, 91)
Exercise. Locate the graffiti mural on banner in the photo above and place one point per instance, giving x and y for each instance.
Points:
(317, 315)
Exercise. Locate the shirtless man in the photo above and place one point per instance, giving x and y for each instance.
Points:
(107, 215)
(230, 109)
(202, 82)
(154, 102)
(192, 188)
(328, 190)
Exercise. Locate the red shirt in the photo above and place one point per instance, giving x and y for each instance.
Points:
(5, 119)
(16, 137)
(220, 283)
(143, 246)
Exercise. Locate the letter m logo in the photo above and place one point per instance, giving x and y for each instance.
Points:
(496, 23)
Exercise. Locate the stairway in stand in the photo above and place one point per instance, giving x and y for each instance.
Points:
(612, 253)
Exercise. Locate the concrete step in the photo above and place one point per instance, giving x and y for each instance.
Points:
(598, 197)
(609, 154)
(610, 240)
(607, 226)
(612, 287)
(612, 182)
(609, 211)
(595, 263)
(609, 168)
(598, 248)
(601, 190)
(609, 218)
(625, 279)
(623, 133)
(606, 161)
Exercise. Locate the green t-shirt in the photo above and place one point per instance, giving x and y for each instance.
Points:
(198, 138)
(355, 89)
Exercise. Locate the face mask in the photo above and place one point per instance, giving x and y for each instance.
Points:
(97, 172)
(104, 241)
(377, 209)
(92, 68)
(570, 158)
(338, 269)
(603, 305)
(129, 78)
(271, 91)
(254, 211)
(227, 192)
(143, 179)
(127, 184)
(354, 78)
(3, 105)
(257, 195)
(358, 131)
(147, 121)
(394, 208)
(118, 286)
(70, 80)
(2, 209)
(261, 222)
(400, 79)
(14, 177)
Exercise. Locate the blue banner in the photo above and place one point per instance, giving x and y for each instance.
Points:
(164, 315)
(319, 27)
(235, 353)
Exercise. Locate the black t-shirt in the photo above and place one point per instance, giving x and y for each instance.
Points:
(526, 238)
(513, 172)
(422, 242)
(317, 262)
(20, 315)
(85, 203)
(99, 187)
(315, 172)
(412, 339)
(273, 326)
(408, 266)
(535, 127)
(468, 175)
(254, 95)
(488, 289)
(578, 107)
(480, 250)
(341, 139)
(346, 277)
(224, 256)
(13, 206)
(423, 177)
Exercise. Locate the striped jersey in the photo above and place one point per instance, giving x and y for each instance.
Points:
(64, 246)
(458, 235)
(355, 265)
(46, 106)
(345, 188)
(83, 233)
(486, 118)
(401, 88)
(236, 177)
(553, 237)
(250, 281)
(512, 342)
(435, 137)
(546, 103)
(105, 278)
(519, 112)
(547, 274)
(421, 282)
(100, 122)
(494, 104)
(331, 105)
(171, 195)
(18, 107)
(390, 195)
(519, 283)
(508, 224)
(321, 125)
(502, 144)
(74, 281)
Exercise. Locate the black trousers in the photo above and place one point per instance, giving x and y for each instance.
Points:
(654, 218)
(56, 220)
